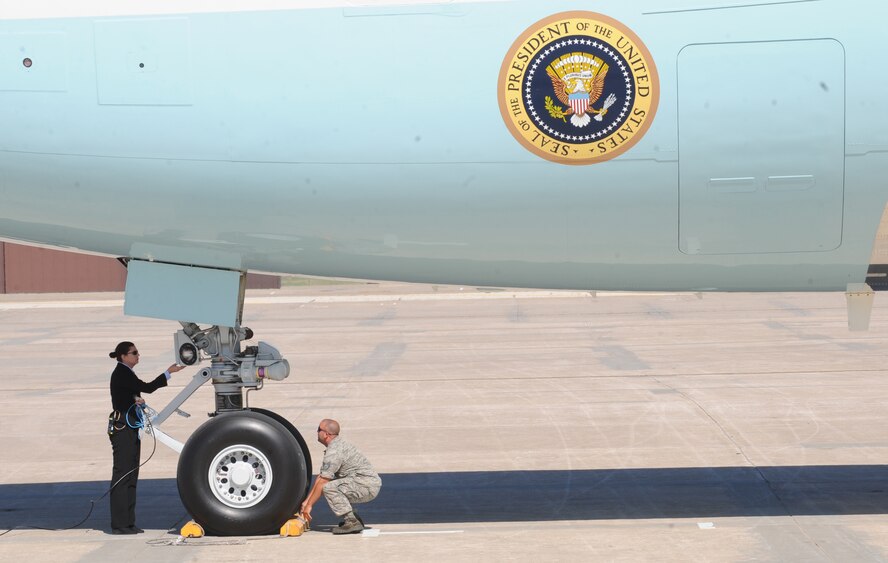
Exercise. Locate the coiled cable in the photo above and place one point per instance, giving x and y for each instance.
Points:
(143, 421)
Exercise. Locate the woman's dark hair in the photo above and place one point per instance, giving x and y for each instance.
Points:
(121, 350)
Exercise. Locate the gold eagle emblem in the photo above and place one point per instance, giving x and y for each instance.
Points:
(578, 81)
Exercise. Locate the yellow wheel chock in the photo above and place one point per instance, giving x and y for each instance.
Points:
(295, 526)
(192, 530)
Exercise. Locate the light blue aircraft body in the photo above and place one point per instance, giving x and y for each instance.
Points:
(643, 145)
(368, 143)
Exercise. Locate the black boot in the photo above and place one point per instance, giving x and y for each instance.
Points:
(358, 516)
(350, 525)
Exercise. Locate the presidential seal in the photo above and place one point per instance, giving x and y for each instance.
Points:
(578, 88)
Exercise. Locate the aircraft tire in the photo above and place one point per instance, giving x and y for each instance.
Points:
(242, 473)
(305, 453)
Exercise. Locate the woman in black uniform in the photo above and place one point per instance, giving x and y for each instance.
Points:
(126, 390)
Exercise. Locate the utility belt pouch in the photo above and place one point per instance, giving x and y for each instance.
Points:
(114, 423)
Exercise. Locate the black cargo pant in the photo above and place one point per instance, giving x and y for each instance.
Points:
(127, 448)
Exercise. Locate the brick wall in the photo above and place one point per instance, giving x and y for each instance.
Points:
(26, 269)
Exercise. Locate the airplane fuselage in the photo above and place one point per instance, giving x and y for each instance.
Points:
(381, 142)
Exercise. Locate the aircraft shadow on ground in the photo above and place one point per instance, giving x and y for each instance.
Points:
(503, 496)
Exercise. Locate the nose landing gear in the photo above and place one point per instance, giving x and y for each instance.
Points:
(245, 471)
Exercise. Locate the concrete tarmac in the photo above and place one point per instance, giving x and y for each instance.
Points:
(507, 425)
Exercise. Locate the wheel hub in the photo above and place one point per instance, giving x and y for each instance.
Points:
(240, 476)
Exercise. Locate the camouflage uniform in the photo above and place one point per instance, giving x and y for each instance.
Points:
(352, 478)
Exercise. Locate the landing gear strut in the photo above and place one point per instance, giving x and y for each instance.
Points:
(245, 471)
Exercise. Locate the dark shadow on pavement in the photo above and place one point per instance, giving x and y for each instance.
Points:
(62, 505)
(505, 496)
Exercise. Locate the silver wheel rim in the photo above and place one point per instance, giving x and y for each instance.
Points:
(240, 476)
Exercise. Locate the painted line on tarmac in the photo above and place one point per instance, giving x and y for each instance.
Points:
(299, 299)
(308, 299)
(20, 305)
(411, 532)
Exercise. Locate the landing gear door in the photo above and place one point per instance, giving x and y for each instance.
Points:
(175, 292)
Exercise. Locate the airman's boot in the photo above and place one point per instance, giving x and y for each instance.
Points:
(358, 516)
(350, 525)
